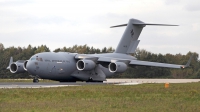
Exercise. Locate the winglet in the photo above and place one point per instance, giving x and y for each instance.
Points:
(188, 63)
(11, 61)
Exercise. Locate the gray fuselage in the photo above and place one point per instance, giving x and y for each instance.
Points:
(62, 65)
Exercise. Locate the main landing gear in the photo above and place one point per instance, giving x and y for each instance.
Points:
(90, 80)
(35, 80)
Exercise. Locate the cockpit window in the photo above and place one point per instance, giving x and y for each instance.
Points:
(38, 59)
(32, 59)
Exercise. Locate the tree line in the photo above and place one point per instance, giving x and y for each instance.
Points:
(24, 53)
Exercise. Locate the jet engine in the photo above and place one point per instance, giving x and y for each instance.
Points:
(17, 67)
(24, 65)
(85, 65)
(117, 67)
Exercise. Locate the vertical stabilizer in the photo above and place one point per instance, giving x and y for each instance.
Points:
(129, 40)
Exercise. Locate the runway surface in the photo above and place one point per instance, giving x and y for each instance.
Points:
(109, 81)
(152, 80)
(33, 85)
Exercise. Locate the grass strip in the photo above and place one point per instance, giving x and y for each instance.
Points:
(137, 98)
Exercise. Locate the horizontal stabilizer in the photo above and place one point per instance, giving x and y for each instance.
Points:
(143, 24)
(118, 25)
(155, 24)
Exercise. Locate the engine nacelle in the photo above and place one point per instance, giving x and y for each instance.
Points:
(85, 65)
(17, 68)
(24, 65)
(117, 67)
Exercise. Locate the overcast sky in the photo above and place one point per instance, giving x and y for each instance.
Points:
(59, 23)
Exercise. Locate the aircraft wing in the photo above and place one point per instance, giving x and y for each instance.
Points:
(143, 63)
(155, 64)
(134, 62)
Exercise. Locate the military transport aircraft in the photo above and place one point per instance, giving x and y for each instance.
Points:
(71, 67)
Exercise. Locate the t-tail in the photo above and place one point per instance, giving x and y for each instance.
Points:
(129, 40)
